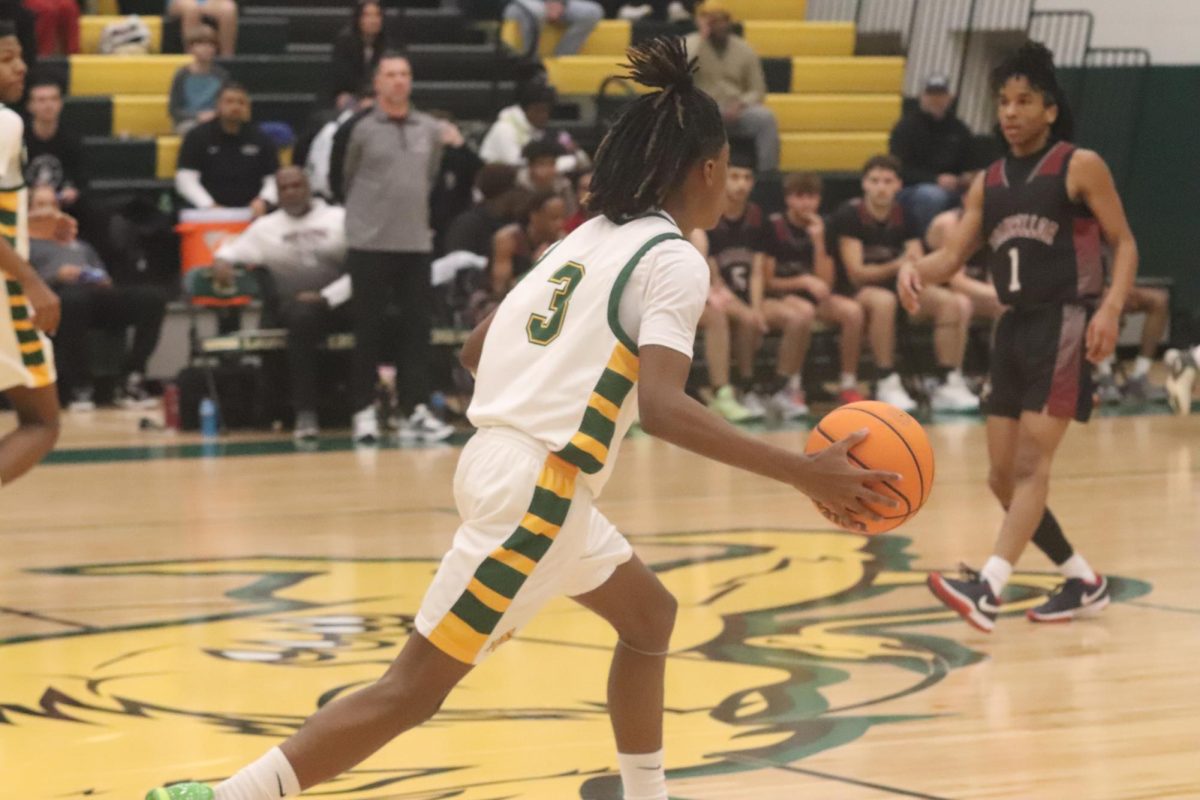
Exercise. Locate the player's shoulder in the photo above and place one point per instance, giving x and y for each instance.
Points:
(10, 121)
(679, 256)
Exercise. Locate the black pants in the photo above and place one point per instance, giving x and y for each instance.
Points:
(115, 308)
(381, 281)
(308, 325)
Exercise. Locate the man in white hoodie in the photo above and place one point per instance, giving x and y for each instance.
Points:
(524, 122)
(303, 248)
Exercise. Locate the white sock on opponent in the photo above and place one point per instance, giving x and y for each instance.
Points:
(269, 778)
(643, 776)
(996, 571)
(848, 380)
(1076, 567)
(1141, 366)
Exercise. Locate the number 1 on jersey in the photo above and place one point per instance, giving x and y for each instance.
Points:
(544, 330)
(1014, 280)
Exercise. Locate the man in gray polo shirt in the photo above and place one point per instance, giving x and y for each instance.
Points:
(392, 155)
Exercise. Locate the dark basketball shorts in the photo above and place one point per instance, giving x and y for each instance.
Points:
(1039, 363)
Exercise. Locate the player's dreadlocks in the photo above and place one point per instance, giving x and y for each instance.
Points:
(647, 152)
(1034, 62)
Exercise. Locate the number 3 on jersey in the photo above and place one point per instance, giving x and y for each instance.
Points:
(544, 330)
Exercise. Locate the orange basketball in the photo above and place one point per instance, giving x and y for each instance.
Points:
(896, 443)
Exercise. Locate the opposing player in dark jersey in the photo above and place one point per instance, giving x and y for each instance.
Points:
(875, 237)
(1041, 212)
(515, 248)
(738, 250)
(800, 272)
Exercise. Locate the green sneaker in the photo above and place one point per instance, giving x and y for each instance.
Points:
(181, 791)
(725, 403)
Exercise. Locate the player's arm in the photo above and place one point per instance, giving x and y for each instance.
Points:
(668, 413)
(822, 259)
(41, 298)
(758, 279)
(939, 266)
(472, 349)
(714, 272)
(1089, 180)
(863, 274)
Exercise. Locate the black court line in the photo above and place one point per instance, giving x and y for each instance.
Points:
(45, 618)
(1158, 607)
(756, 762)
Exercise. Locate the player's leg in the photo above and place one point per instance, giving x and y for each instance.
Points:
(642, 612)
(35, 434)
(1154, 304)
(950, 313)
(849, 317)
(715, 324)
(747, 338)
(793, 318)
(879, 305)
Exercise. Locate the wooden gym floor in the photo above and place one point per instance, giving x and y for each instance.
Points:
(169, 612)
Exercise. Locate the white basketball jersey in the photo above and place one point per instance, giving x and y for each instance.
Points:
(556, 364)
(13, 201)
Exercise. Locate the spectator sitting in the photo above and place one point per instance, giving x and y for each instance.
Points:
(193, 13)
(302, 246)
(729, 70)
(516, 248)
(54, 155)
(472, 230)
(527, 120)
(56, 26)
(90, 300)
(227, 162)
(933, 146)
(195, 87)
(357, 49)
(583, 188)
(578, 16)
(541, 172)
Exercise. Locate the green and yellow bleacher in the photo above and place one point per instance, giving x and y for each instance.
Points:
(834, 112)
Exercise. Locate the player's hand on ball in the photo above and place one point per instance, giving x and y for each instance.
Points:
(909, 286)
(1102, 334)
(840, 488)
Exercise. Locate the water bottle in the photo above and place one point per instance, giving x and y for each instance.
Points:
(208, 418)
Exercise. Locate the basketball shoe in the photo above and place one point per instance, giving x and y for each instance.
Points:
(970, 596)
(181, 791)
(1181, 376)
(1073, 598)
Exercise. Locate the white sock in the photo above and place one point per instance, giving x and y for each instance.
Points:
(1077, 567)
(642, 776)
(269, 778)
(1105, 366)
(996, 572)
(1141, 366)
(793, 383)
(849, 380)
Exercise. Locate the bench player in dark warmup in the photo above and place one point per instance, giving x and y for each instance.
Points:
(1040, 211)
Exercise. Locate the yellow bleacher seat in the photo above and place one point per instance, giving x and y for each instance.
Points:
(830, 152)
(848, 74)
(611, 37)
(799, 113)
(783, 39)
(583, 74)
(107, 7)
(167, 155)
(140, 115)
(90, 28)
(124, 74)
(745, 10)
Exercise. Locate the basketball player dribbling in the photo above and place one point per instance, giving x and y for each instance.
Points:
(28, 309)
(611, 309)
(1040, 211)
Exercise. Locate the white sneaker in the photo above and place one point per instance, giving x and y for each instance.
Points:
(422, 425)
(634, 13)
(755, 405)
(953, 395)
(306, 428)
(676, 12)
(366, 426)
(1181, 377)
(891, 391)
(81, 400)
(790, 403)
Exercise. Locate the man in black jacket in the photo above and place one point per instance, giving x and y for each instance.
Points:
(933, 146)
